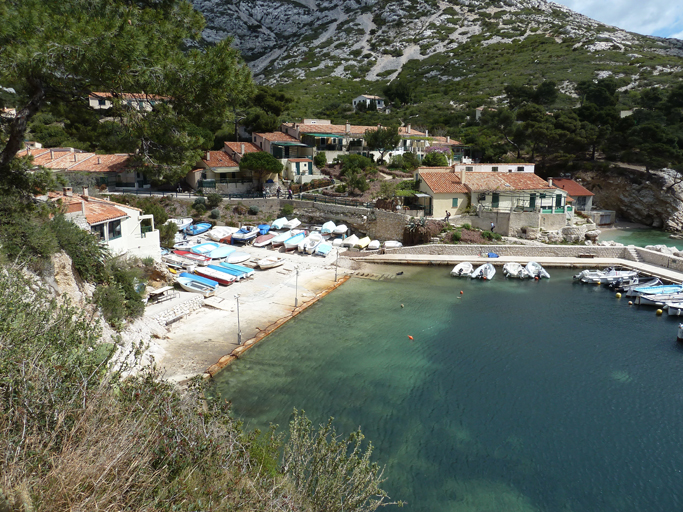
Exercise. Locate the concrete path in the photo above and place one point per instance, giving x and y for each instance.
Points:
(568, 262)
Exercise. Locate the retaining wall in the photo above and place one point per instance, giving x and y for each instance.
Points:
(660, 259)
(179, 311)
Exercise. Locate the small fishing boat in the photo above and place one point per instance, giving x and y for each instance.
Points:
(640, 282)
(515, 270)
(293, 242)
(323, 249)
(363, 242)
(463, 269)
(236, 274)
(245, 271)
(181, 223)
(309, 243)
(291, 224)
(197, 284)
(218, 233)
(263, 240)
(536, 270)
(609, 275)
(263, 229)
(374, 245)
(658, 299)
(657, 290)
(197, 259)
(221, 252)
(674, 308)
(178, 262)
(237, 257)
(184, 243)
(279, 223)
(392, 244)
(350, 241)
(328, 228)
(205, 248)
(215, 275)
(485, 272)
(197, 229)
(244, 234)
(280, 239)
(270, 262)
(341, 229)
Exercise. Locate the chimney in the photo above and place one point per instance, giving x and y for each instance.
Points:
(86, 191)
(68, 191)
(83, 207)
(426, 133)
(462, 174)
(75, 159)
(408, 129)
(242, 149)
(448, 139)
(348, 127)
(550, 182)
(208, 156)
(52, 155)
(99, 160)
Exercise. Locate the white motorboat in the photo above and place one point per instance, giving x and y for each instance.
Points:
(392, 244)
(218, 233)
(658, 299)
(536, 270)
(485, 272)
(350, 241)
(291, 224)
(309, 243)
(374, 245)
(328, 228)
(337, 242)
(609, 275)
(178, 262)
(515, 270)
(181, 223)
(270, 262)
(279, 223)
(341, 229)
(674, 308)
(463, 269)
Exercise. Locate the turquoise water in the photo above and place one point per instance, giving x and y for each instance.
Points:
(640, 237)
(518, 396)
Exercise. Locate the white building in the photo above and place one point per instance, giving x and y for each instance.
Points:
(367, 99)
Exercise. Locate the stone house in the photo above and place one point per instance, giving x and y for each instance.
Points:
(295, 156)
(583, 198)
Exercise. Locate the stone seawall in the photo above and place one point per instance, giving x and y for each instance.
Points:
(557, 251)
(660, 259)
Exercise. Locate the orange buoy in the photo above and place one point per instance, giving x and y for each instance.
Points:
(536, 278)
(461, 292)
(484, 278)
(410, 337)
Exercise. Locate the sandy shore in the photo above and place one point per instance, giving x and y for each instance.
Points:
(200, 339)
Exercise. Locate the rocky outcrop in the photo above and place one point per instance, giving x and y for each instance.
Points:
(654, 199)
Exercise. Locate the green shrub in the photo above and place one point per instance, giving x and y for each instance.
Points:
(213, 200)
(198, 201)
(215, 213)
(467, 226)
(287, 210)
(456, 236)
(320, 159)
(155, 209)
(489, 235)
(167, 234)
(340, 189)
(199, 208)
(254, 210)
(240, 209)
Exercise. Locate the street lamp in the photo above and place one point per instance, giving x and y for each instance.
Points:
(336, 266)
(239, 330)
(296, 289)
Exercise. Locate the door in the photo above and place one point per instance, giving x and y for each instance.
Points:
(558, 201)
(532, 201)
(495, 200)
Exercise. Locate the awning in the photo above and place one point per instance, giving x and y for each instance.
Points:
(288, 143)
(327, 135)
(422, 195)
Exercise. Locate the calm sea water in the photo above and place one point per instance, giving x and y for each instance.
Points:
(515, 396)
(640, 237)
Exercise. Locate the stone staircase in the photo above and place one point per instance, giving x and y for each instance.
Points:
(633, 254)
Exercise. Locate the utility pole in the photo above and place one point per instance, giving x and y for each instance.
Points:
(296, 289)
(239, 329)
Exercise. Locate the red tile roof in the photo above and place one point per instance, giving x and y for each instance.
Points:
(502, 181)
(355, 130)
(96, 210)
(438, 141)
(299, 160)
(443, 182)
(35, 152)
(219, 159)
(128, 96)
(236, 147)
(572, 187)
(277, 137)
(70, 160)
(103, 163)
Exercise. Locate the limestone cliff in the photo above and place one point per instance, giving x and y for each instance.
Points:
(654, 199)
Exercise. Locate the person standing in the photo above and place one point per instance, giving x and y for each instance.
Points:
(277, 193)
(289, 194)
(492, 227)
(448, 215)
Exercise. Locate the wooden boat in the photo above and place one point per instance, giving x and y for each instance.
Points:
(215, 275)
(221, 252)
(178, 262)
(239, 270)
(515, 270)
(328, 228)
(363, 242)
(323, 249)
(263, 240)
(658, 299)
(463, 269)
(374, 245)
(341, 229)
(245, 233)
(197, 284)
(291, 224)
(197, 229)
(270, 262)
(293, 242)
(205, 248)
(674, 308)
(350, 241)
(280, 239)
(309, 243)
(392, 244)
(197, 259)
(181, 223)
(536, 270)
(485, 272)
(263, 229)
(220, 232)
(279, 223)
(237, 257)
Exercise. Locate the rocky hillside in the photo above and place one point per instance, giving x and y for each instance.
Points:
(437, 43)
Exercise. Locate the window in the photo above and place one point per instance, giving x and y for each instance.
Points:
(454, 202)
(98, 230)
(520, 168)
(101, 103)
(115, 229)
(494, 169)
(469, 169)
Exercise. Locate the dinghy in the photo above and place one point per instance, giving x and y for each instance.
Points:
(197, 259)
(641, 282)
(341, 229)
(237, 257)
(658, 299)
(350, 241)
(485, 272)
(181, 223)
(279, 223)
(220, 232)
(263, 240)
(293, 242)
(205, 248)
(657, 290)
(270, 262)
(309, 243)
(463, 269)
(609, 275)
(215, 275)
(536, 270)
(197, 229)
(197, 284)
(392, 244)
(244, 234)
(515, 270)
(374, 245)
(363, 242)
(291, 224)
(328, 228)
(323, 249)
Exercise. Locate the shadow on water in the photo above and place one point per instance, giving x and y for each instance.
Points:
(515, 395)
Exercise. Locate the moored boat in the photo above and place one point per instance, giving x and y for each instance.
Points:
(197, 229)
(463, 269)
(674, 308)
(536, 270)
(485, 272)
(657, 290)
(639, 282)
(658, 299)
(515, 270)
(609, 275)
(270, 262)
